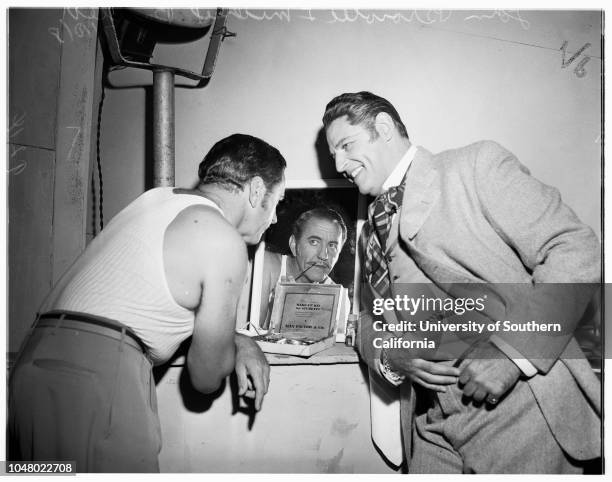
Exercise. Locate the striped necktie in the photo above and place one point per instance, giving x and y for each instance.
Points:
(380, 217)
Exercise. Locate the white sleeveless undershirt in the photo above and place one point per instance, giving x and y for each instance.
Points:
(121, 274)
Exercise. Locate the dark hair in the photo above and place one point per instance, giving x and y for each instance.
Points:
(362, 108)
(237, 159)
(321, 213)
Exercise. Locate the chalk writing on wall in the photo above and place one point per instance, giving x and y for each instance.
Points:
(169, 14)
(18, 165)
(75, 23)
(328, 16)
(504, 16)
(580, 71)
(426, 17)
(16, 126)
(75, 138)
(83, 22)
(74, 156)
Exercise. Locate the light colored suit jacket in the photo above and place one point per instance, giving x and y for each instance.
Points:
(475, 215)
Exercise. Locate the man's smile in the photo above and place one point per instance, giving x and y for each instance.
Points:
(355, 172)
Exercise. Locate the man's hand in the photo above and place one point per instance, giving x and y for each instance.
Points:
(426, 373)
(252, 370)
(487, 373)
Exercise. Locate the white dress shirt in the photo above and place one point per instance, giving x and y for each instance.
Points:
(396, 176)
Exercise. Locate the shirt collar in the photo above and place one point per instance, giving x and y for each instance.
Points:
(396, 176)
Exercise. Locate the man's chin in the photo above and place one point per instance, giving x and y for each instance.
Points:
(316, 278)
(365, 190)
(253, 240)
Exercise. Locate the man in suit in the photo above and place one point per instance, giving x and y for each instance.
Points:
(472, 220)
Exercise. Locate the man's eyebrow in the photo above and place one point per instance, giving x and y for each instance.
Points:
(343, 139)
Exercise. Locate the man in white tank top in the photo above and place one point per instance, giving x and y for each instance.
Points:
(169, 266)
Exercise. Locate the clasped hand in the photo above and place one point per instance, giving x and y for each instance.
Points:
(487, 373)
(429, 374)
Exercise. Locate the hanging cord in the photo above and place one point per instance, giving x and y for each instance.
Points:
(101, 184)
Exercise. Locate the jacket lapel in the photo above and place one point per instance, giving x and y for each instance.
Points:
(420, 195)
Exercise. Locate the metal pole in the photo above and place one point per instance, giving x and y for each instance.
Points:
(163, 128)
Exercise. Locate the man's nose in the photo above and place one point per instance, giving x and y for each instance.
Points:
(323, 253)
(274, 219)
(340, 161)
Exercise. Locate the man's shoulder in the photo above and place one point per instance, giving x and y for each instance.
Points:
(203, 216)
(201, 246)
(482, 157)
(485, 149)
(203, 227)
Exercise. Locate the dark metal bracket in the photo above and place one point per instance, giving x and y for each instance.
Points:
(219, 33)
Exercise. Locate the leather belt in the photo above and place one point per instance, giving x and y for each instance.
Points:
(71, 319)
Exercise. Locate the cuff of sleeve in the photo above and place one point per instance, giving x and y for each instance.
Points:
(392, 377)
(519, 360)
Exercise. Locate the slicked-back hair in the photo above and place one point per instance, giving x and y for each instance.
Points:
(237, 159)
(320, 213)
(361, 108)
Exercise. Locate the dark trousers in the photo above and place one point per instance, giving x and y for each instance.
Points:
(84, 393)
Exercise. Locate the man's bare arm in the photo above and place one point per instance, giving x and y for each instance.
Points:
(211, 356)
(206, 264)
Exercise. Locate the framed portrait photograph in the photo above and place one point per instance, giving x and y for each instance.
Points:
(301, 196)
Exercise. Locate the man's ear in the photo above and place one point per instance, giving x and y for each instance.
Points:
(292, 245)
(257, 191)
(384, 125)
